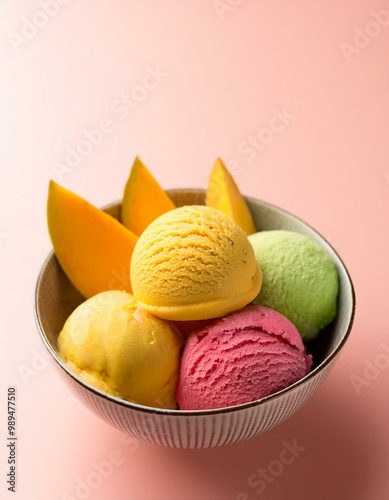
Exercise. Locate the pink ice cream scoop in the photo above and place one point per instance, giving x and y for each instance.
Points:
(239, 358)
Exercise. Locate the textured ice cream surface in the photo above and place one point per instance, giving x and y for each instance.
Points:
(194, 263)
(242, 357)
(114, 345)
(299, 279)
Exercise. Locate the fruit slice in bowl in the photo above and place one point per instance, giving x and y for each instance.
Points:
(93, 248)
(144, 199)
(224, 194)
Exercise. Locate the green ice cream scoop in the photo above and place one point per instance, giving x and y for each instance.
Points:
(300, 280)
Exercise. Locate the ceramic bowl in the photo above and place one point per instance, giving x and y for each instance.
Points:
(56, 298)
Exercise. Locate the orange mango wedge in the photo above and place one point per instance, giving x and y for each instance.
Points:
(223, 194)
(144, 199)
(93, 248)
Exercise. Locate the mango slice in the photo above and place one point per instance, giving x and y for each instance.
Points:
(223, 194)
(93, 248)
(144, 199)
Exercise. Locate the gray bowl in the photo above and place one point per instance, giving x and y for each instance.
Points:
(56, 298)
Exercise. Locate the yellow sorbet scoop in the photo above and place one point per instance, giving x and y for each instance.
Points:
(113, 344)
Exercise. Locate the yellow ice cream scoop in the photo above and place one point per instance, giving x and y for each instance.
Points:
(113, 344)
(194, 262)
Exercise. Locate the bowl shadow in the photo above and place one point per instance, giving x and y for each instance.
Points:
(335, 461)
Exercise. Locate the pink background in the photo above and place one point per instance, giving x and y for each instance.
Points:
(223, 76)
